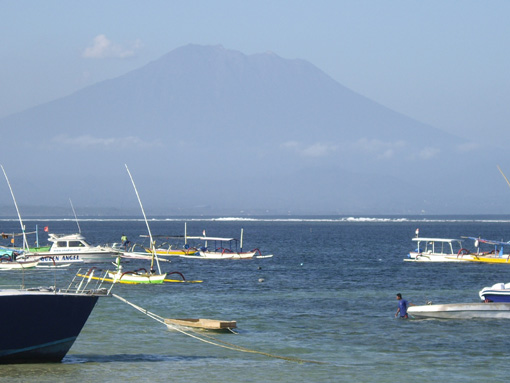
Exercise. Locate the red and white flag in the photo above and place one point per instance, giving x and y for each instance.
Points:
(46, 228)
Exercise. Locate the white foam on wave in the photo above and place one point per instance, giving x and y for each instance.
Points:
(350, 219)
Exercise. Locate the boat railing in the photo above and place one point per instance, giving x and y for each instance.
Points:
(85, 281)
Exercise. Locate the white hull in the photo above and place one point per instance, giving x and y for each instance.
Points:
(462, 311)
(18, 265)
(222, 255)
(433, 258)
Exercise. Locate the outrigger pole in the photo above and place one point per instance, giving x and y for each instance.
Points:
(146, 222)
(503, 174)
(75, 217)
(25, 243)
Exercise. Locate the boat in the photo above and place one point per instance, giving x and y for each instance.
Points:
(495, 255)
(202, 323)
(477, 310)
(47, 321)
(13, 259)
(499, 292)
(224, 248)
(438, 250)
(74, 248)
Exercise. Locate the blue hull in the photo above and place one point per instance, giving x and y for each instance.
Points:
(498, 298)
(41, 327)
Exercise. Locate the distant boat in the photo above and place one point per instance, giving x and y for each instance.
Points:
(495, 255)
(437, 250)
(224, 248)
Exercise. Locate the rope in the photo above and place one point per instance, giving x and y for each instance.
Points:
(212, 341)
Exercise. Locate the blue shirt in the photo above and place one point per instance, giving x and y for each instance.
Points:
(402, 305)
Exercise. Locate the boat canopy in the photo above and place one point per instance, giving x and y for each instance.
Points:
(488, 241)
(213, 238)
(445, 240)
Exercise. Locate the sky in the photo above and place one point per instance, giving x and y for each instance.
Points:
(444, 63)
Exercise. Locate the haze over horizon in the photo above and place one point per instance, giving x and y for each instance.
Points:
(435, 70)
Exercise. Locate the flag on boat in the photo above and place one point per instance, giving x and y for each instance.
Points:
(417, 232)
(46, 228)
(203, 233)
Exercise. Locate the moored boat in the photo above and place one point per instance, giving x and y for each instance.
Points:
(75, 245)
(462, 311)
(438, 250)
(499, 292)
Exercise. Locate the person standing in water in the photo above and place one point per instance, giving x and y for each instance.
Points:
(402, 307)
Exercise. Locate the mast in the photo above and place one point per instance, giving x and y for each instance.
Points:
(25, 243)
(76, 218)
(153, 250)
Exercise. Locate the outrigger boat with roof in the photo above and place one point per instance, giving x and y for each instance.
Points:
(493, 256)
(222, 248)
(438, 250)
(225, 248)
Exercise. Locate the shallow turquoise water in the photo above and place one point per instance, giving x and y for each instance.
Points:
(328, 295)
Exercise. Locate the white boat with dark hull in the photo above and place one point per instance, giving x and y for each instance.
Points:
(47, 321)
(47, 338)
(499, 292)
(462, 311)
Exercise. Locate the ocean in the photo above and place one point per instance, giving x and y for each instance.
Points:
(320, 310)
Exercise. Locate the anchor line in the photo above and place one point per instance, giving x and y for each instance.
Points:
(213, 341)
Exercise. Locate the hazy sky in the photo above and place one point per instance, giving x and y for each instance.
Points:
(445, 63)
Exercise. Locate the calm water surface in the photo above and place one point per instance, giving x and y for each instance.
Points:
(328, 295)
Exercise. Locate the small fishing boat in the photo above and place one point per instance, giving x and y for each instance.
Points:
(495, 255)
(205, 324)
(462, 311)
(12, 259)
(224, 248)
(437, 250)
(136, 276)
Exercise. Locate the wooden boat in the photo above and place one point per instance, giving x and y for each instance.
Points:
(206, 324)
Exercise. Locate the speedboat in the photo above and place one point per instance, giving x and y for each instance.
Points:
(438, 250)
(74, 248)
(499, 292)
(462, 311)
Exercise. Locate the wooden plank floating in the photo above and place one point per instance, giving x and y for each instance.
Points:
(208, 324)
